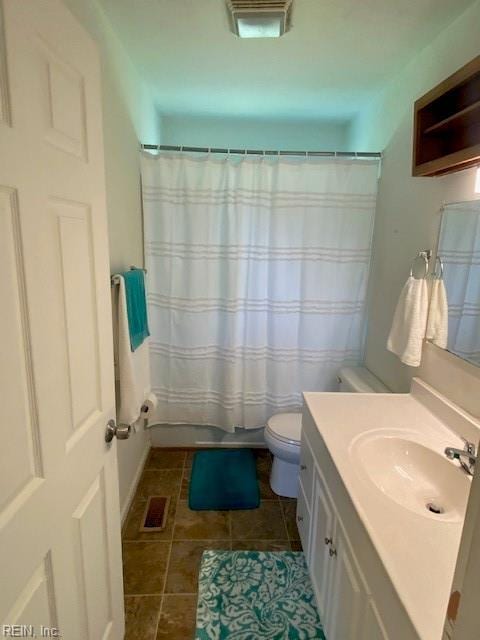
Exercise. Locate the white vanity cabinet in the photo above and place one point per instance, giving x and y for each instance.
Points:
(381, 563)
(346, 606)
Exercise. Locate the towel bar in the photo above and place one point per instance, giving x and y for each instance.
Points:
(115, 278)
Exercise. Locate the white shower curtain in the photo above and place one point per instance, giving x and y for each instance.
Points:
(257, 275)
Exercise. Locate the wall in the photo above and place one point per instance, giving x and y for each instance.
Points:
(408, 209)
(129, 115)
(407, 220)
(254, 134)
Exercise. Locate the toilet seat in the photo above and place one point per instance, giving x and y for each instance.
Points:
(286, 427)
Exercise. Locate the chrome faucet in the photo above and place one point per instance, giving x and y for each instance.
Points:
(466, 456)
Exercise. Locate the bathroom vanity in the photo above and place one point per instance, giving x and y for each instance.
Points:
(381, 509)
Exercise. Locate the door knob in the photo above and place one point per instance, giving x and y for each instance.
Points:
(121, 431)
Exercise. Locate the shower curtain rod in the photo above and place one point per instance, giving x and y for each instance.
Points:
(261, 152)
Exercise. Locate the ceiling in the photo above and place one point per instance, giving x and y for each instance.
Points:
(338, 54)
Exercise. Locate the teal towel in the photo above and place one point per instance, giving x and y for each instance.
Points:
(136, 307)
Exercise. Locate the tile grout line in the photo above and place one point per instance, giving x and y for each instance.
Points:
(159, 615)
(284, 523)
(202, 539)
(160, 595)
(144, 595)
(167, 566)
(174, 524)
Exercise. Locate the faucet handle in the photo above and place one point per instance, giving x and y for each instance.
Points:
(469, 446)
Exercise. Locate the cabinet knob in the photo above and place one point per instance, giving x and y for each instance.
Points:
(332, 551)
(328, 541)
(303, 467)
(299, 518)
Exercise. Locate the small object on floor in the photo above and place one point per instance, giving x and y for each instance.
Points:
(223, 479)
(256, 594)
(155, 516)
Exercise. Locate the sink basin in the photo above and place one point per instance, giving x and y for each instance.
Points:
(412, 475)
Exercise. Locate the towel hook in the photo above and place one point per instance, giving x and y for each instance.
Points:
(425, 256)
(438, 263)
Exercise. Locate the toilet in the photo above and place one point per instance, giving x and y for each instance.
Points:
(284, 431)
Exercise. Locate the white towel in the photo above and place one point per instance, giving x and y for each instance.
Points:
(437, 325)
(133, 366)
(410, 322)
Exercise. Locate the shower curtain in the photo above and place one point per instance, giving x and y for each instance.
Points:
(257, 276)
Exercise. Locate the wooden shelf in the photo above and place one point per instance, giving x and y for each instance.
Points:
(456, 117)
(447, 124)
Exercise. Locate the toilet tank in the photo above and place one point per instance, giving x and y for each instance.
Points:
(360, 380)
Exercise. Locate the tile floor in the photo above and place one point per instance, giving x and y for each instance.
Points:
(161, 569)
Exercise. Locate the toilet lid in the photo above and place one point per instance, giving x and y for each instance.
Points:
(286, 426)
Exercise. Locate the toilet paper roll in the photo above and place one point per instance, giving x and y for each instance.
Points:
(149, 406)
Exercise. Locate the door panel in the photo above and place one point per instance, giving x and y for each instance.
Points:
(4, 91)
(64, 103)
(23, 463)
(59, 512)
(92, 556)
(78, 287)
(36, 602)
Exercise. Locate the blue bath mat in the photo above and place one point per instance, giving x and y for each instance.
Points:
(256, 594)
(223, 479)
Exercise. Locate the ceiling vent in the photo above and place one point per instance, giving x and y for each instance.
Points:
(260, 18)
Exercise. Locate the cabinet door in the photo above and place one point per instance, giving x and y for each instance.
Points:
(373, 626)
(303, 522)
(322, 533)
(307, 467)
(347, 594)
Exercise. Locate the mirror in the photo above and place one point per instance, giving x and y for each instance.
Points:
(459, 251)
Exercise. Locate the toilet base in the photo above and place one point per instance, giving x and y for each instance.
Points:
(284, 478)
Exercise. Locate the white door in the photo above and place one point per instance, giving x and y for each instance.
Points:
(60, 553)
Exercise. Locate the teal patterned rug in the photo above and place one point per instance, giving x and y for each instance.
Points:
(250, 595)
